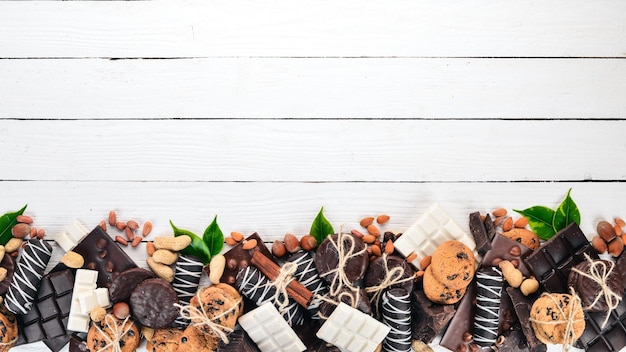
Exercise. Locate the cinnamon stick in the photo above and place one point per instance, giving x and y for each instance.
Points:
(295, 289)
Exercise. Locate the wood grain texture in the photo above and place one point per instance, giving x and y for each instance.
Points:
(192, 28)
(312, 150)
(314, 88)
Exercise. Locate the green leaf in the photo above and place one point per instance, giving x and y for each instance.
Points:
(566, 213)
(213, 238)
(540, 220)
(7, 221)
(321, 227)
(197, 247)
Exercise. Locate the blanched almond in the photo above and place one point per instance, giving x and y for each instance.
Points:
(366, 221)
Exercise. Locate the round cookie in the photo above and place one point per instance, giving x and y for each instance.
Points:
(164, 340)
(152, 303)
(589, 290)
(438, 292)
(453, 265)
(128, 342)
(8, 329)
(217, 299)
(197, 339)
(523, 236)
(123, 283)
(549, 315)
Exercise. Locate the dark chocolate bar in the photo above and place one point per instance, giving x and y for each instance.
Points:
(611, 338)
(552, 262)
(396, 312)
(460, 331)
(306, 274)
(503, 248)
(428, 319)
(488, 293)
(478, 231)
(238, 341)
(238, 258)
(186, 279)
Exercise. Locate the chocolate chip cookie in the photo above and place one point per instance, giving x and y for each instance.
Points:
(438, 292)
(164, 340)
(549, 316)
(453, 265)
(98, 339)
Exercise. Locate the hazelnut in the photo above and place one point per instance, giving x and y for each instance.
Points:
(616, 247)
(291, 243)
(599, 244)
(308, 242)
(606, 231)
(121, 310)
(278, 249)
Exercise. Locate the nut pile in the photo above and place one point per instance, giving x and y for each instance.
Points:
(129, 228)
(610, 238)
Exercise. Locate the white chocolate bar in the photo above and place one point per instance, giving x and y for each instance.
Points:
(91, 299)
(71, 235)
(430, 230)
(352, 330)
(267, 328)
(84, 284)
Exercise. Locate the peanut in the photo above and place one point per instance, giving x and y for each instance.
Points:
(278, 249)
(73, 260)
(97, 314)
(2, 251)
(381, 219)
(172, 243)
(216, 268)
(511, 274)
(147, 228)
(112, 218)
(13, 245)
(366, 221)
(529, 286)
(150, 249)
(20, 230)
(291, 243)
(247, 245)
(3, 274)
(237, 236)
(164, 256)
(161, 270)
(499, 212)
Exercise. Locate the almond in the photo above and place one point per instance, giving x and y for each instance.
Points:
(381, 219)
(507, 225)
(499, 212)
(369, 239)
(376, 251)
(521, 223)
(616, 247)
(291, 243)
(498, 220)
(620, 222)
(41, 233)
(308, 242)
(606, 231)
(150, 249)
(132, 224)
(112, 218)
(389, 247)
(121, 240)
(130, 234)
(419, 274)
(357, 233)
(147, 228)
(24, 219)
(237, 236)
(20, 230)
(33, 232)
(618, 230)
(120, 225)
(136, 241)
(230, 241)
(278, 249)
(103, 225)
(373, 230)
(366, 221)
(411, 257)
(425, 262)
(249, 244)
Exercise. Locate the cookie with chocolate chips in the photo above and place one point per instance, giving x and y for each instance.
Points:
(164, 340)
(438, 292)
(453, 264)
(549, 318)
(8, 329)
(103, 334)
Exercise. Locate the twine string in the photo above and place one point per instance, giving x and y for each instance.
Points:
(281, 298)
(575, 306)
(392, 277)
(116, 331)
(340, 278)
(353, 299)
(199, 317)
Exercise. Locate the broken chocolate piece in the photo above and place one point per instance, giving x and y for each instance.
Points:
(490, 227)
(522, 305)
(238, 258)
(479, 232)
(428, 318)
(503, 248)
(460, 331)
(238, 341)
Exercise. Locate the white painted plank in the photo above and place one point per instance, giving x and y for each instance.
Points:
(307, 28)
(312, 150)
(313, 88)
(272, 209)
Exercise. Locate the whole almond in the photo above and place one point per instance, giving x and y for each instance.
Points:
(389, 247)
(369, 239)
(103, 225)
(41, 233)
(373, 230)
(136, 241)
(308, 242)
(291, 243)
(237, 236)
(521, 222)
(130, 234)
(73, 260)
(20, 230)
(216, 268)
(411, 257)
(278, 249)
(419, 274)
(425, 262)
(147, 228)
(33, 232)
(249, 244)
(164, 256)
(381, 219)
(620, 222)
(112, 218)
(499, 212)
(357, 233)
(606, 231)
(366, 221)
(616, 247)
(376, 251)
(507, 225)
(120, 225)
(150, 249)
(230, 241)
(13, 245)
(618, 230)
(132, 224)
(24, 219)
(121, 240)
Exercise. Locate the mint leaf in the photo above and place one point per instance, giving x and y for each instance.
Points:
(540, 220)
(7, 221)
(197, 247)
(213, 238)
(321, 227)
(566, 213)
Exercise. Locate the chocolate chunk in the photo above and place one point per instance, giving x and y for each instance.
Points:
(9, 264)
(27, 277)
(327, 258)
(503, 248)
(551, 263)
(77, 344)
(460, 331)
(477, 228)
(488, 293)
(354, 297)
(396, 312)
(611, 337)
(186, 281)
(490, 227)
(428, 318)
(591, 294)
(101, 253)
(522, 305)
(306, 274)
(152, 303)
(124, 283)
(238, 341)
(238, 258)
(620, 266)
(514, 341)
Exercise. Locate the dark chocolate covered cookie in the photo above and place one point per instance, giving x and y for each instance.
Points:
(152, 303)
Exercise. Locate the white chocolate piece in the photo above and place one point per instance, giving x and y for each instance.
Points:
(84, 283)
(91, 299)
(430, 230)
(270, 331)
(71, 235)
(352, 330)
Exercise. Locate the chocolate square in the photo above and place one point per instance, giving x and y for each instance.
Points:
(551, 263)
(47, 308)
(611, 338)
(33, 333)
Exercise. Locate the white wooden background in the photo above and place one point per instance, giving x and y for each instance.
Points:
(262, 112)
